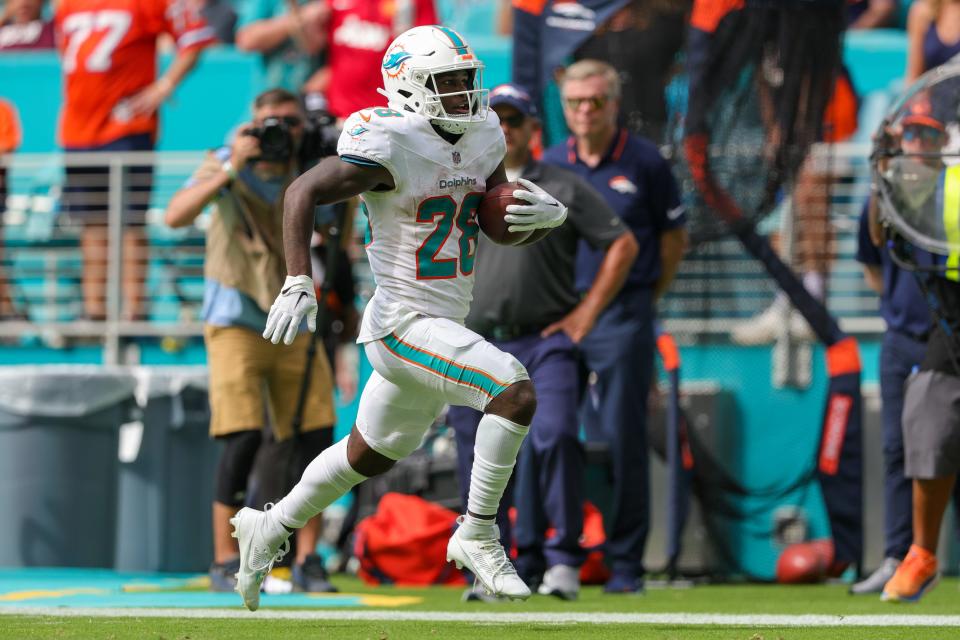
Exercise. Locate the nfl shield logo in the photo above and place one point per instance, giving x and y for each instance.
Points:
(456, 157)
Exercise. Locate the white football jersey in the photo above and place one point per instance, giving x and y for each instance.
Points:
(421, 235)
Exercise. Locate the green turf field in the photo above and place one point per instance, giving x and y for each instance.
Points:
(803, 613)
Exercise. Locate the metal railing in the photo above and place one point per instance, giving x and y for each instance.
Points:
(41, 257)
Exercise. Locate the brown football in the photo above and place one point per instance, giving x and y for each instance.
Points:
(492, 209)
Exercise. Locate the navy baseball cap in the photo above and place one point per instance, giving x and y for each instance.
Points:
(514, 96)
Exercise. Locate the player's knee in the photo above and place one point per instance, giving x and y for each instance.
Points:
(364, 459)
(517, 403)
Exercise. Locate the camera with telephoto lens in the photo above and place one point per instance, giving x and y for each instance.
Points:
(276, 141)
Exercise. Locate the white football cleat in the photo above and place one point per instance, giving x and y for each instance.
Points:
(259, 549)
(489, 564)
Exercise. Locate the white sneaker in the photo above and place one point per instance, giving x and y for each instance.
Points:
(764, 327)
(875, 582)
(760, 329)
(259, 549)
(562, 581)
(488, 562)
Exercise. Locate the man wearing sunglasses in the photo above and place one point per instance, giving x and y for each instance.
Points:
(525, 303)
(253, 382)
(635, 180)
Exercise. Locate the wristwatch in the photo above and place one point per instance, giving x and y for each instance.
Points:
(229, 169)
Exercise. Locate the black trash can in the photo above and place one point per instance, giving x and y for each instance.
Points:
(166, 482)
(58, 463)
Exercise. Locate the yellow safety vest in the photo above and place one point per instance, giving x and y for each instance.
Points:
(951, 220)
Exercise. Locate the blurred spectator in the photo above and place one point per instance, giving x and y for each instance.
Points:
(525, 303)
(908, 325)
(288, 33)
(357, 36)
(220, 16)
(22, 26)
(342, 315)
(111, 98)
(9, 141)
(930, 420)
(933, 35)
(871, 14)
(639, 37)
(251, 378)
(504, 26)
(641, 41)
(637, 183)
(811, 227)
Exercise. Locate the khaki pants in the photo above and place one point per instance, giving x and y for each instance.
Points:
(247, 371)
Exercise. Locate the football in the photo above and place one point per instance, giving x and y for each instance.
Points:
(492, 209)
(803, 563)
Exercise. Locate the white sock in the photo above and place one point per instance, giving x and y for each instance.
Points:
(324, 480)
(813, 282)
(494, 455)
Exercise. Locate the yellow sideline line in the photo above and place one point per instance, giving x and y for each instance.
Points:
(16, 596)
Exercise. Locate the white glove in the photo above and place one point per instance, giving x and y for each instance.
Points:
(543, 212)
(297, 300)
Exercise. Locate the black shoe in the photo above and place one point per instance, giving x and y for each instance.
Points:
(624, 582)
(312, 577)
(223, 575)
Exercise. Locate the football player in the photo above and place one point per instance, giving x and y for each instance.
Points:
(421, 166)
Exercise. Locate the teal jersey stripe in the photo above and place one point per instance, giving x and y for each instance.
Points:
(444, 368)
(363, 162)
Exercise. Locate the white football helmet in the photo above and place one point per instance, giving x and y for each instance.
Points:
(410, 65)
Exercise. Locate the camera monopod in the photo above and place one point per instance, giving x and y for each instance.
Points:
(334, 255)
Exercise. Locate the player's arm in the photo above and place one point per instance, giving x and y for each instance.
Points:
(332, 180)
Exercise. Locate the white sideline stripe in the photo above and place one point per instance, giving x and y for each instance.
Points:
(681, 619)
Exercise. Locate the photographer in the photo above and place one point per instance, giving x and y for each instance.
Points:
(253, 382)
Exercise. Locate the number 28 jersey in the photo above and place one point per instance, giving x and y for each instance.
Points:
(422, 234)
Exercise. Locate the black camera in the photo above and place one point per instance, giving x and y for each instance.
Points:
(320, 136)
(321, 133)
(276, 141)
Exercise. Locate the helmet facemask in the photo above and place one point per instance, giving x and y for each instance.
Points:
(477, 101)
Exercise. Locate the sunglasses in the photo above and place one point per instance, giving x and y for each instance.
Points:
(922, 134)
(595, 102)
(514, 121)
